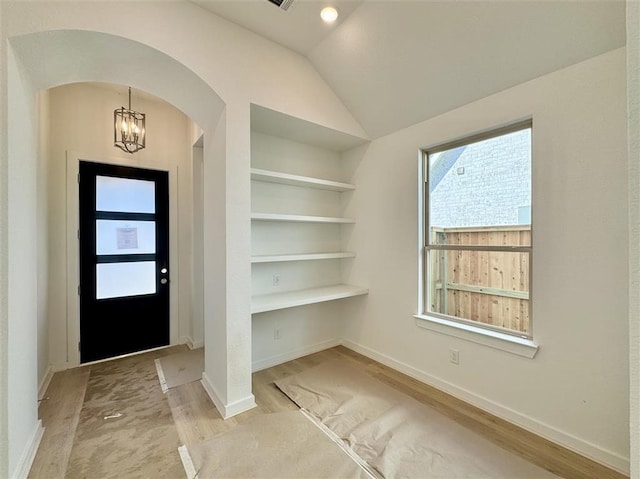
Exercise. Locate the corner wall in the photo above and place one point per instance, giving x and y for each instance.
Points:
(576, 390)
(24, 428)
(633, 128)
(43, 224)
(197, 290)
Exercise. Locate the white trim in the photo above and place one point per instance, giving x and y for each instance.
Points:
(580, 446)
(73, 301)
(44, 384)
(494, 339)
(187, 463)
(191, 344)
(29, 453)
(56, 368)
(227, 410)
(128, 355)
(161, 378)
(265, 363)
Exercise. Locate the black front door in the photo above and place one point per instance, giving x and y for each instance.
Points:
(124, 260)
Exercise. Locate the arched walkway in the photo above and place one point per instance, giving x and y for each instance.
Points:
(39, 61)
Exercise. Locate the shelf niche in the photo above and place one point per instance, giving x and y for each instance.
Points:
(297, 179)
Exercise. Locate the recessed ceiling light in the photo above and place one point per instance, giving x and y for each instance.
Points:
(329, 14)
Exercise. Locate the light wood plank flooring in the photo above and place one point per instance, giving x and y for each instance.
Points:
(197, 420)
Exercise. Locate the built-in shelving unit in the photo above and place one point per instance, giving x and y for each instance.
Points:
(297, 213)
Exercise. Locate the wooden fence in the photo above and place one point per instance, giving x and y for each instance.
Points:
(490, 287)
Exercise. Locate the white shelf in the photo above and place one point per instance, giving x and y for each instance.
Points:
(299, 218)
(278, 124)
(290, 299)
(296, 180)
(277, 258)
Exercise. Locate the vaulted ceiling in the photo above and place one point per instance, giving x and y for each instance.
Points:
(395, 62)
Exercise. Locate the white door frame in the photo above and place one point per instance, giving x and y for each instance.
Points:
(73, 264)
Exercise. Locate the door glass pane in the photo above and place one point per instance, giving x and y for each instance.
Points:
(115, 280)
(125, 237)
(125, 195)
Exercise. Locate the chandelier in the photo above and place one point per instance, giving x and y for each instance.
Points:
(128, 131)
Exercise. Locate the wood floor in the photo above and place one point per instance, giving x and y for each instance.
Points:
(197, 420)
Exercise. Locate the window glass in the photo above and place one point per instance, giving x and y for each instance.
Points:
(483, 184)
(477, 231)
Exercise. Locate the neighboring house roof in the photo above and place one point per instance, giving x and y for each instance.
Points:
(442, 166)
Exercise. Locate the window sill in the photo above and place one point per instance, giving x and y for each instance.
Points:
(504, 342)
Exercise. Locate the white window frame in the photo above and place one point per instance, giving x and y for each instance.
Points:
(493, 336)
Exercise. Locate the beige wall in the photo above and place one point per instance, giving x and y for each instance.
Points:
(633, 129)
(576, 390)
(81, 123)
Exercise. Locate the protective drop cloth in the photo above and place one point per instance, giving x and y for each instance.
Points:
(180, 368)
(285, 445)
(396, 435)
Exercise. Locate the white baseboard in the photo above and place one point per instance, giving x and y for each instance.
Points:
(227, 410)
(191, 343)
(295, 354)
(29, 453)
(592, 451)
(186, 340)
(44, 384)
(56, 368)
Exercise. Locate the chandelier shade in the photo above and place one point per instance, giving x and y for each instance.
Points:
(129, 129)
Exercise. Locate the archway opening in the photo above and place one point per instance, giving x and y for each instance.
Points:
(36, 63)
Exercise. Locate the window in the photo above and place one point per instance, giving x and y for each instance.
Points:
(476, 231)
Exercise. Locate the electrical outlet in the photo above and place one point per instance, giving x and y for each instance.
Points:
(277, 333)
(276, 279)
(454, 356)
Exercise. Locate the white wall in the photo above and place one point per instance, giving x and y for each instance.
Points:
(22, 331)
(81, 120)
(215, 261)
(575, 390)
(303, 330)
(4, 252)
(43, 239)
(197, 289)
